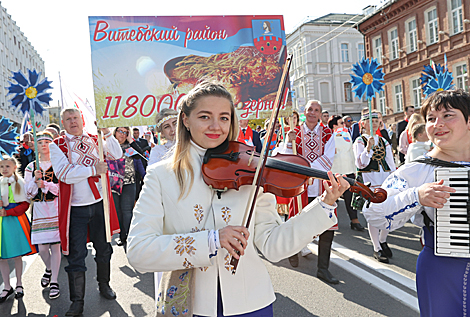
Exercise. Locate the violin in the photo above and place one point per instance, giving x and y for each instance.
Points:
(228, 166)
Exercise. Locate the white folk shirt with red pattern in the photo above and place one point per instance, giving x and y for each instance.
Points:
(82, 166)
(318, 147)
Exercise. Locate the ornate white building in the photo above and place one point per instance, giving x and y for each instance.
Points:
(16, 54)
(324, 51)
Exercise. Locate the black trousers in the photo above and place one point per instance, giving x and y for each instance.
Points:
(324, 246)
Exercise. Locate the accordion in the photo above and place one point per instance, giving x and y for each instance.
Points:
(452, 222)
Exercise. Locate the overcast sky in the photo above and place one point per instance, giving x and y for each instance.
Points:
(58, 29)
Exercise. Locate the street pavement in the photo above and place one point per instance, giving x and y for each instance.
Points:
(367, 288)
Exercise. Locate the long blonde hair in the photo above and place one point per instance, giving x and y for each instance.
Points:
(14, 161)
(181, 163)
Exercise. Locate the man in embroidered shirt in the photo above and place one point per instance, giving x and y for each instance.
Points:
(315, 143)
(75, 161)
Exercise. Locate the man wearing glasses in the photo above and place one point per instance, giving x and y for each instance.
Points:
(347, 122)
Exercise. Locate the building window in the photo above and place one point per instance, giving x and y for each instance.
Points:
(348, 92)
(416, 93)
(378, 49)
(398, 98)
(360, 51)
(461, 77)
(325, 92)
(412, 44)
(344, 53)
(456, 11)
(299, 56)
(432, 26)
(394, 44)
(382, 105)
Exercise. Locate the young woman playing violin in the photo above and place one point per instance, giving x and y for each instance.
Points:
(179, 222)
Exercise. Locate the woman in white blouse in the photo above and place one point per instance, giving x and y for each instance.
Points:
(181, 223)
(166, 125)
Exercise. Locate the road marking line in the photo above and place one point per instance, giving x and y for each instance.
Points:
(402, 296)
(374, 264)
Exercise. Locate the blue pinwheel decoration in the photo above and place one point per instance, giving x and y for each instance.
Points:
(429, 73)
(30, 93)
(8, 137)
(367, 78)
(436, 78)
(443, 81)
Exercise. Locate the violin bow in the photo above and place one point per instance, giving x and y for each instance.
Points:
(294, 151)
(264, 154)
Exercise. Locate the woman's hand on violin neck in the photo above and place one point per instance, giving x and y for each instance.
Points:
(233, 239)
(334, 188)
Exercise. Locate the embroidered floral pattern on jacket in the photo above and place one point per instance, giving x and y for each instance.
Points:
(198, 213)
(226, 216)
(184, 244)
(227, 259)
(177, 296)
(187, 264)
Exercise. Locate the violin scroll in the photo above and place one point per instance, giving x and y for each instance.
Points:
(377, 196)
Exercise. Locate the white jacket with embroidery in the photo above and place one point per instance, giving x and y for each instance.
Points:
(402, 202)
(170, 234)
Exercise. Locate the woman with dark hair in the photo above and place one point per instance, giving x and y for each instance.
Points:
(414, 193)
(180, 223)
(124, 197)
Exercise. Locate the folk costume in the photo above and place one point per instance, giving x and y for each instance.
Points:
(81, 212)
(374, 166)
(318, 147)
(441, 281)
(179, 231)
(45, 211)
(160, 151)
(15, 228)
(73, 159)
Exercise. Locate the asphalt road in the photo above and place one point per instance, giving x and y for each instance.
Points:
(367, 288)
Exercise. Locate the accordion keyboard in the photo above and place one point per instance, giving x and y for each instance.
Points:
(452, 222)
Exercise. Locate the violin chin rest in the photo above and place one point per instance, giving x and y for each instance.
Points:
(367, 184)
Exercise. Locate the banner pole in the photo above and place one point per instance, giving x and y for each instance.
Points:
(104, 189)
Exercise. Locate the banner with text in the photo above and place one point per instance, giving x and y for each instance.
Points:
(144, 64)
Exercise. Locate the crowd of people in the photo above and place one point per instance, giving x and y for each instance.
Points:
(160, 202)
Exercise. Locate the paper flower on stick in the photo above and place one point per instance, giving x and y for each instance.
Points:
(429, 73)
(8, 137)
(367, 78)
(436, 78)
(29, 92)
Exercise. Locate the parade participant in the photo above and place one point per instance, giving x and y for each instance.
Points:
(248, 136)
(166, 121)
(42, 187)
(413, 193)
(316, 144)
(124, 197)
(76, 164)
(54, 129)
(420, 145)
(26, 152)
(357, 127)
(15, 228)
(405, 138)
(186, 225)
(348, 122)
(324, 118)
(401, 126)
(343, 163)
(374, 161)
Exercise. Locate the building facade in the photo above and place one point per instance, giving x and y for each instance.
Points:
(324, 50)
(405, 35)
(16, 54)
